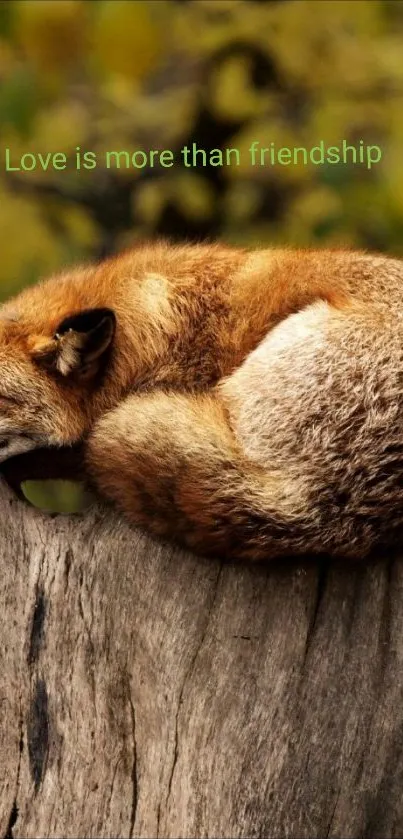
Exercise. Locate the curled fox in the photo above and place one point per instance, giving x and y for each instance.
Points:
(247, 404)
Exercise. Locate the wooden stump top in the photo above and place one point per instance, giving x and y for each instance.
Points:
(148, 693)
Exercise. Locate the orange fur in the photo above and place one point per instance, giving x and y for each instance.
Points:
(175, 367)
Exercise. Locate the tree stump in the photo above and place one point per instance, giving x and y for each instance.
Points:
(148, 693)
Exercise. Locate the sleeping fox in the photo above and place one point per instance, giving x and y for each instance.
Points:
(246, 404)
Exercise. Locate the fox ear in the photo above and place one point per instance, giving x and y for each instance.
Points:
(78, 345)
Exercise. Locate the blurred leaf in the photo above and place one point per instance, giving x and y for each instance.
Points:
(57, 496)
(242, 201)
(125, 38)
(29, 249)
(149, 201)
(193, 194)
(232, 93)
(50, 32)
(18, 100)
(6, 14)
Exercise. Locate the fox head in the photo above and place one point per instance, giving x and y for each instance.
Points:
(48, 381)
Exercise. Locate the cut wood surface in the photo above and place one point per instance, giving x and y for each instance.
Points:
(145, 692)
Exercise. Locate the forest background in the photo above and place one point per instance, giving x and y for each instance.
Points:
(128, 74)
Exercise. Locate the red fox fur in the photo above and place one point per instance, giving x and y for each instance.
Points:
(246, 404)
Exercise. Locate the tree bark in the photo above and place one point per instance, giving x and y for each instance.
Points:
(145, 692)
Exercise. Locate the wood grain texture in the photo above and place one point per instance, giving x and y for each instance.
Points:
(144, 692)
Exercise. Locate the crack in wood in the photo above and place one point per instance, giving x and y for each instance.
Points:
(38, 733)
(185, 682)
(333, 813)
(14, 809)
(320, 590)
(134, 769)
(37, 628)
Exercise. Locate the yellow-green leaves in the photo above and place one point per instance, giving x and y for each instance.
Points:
(57, 496)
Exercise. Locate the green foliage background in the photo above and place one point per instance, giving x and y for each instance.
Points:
(127, 74)
(107, 74)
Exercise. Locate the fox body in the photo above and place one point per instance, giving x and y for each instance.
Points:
(246, 404)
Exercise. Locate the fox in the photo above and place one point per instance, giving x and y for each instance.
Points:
(241, 403)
